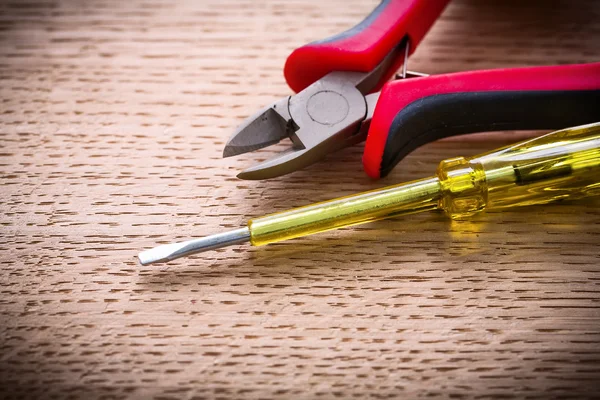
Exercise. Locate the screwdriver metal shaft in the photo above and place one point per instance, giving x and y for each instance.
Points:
(560, 165)
(172, 251)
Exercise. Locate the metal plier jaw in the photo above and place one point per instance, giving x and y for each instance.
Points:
(329, 115)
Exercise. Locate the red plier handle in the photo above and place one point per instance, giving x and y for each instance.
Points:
(416, 111)
(364, 46)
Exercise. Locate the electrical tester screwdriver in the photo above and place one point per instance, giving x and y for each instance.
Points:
(561, 165)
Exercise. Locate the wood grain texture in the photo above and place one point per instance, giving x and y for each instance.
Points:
(113, 118)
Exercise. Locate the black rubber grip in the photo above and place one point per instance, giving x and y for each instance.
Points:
(438, 116)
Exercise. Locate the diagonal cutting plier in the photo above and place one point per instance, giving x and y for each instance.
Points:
(344, 96)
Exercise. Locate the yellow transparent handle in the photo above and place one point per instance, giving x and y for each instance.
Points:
(563, 164)
(559, 165)
(407, 198)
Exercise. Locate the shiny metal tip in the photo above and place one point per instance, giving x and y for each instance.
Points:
(172, 251)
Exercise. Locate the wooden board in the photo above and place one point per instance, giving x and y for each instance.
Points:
(113, 118)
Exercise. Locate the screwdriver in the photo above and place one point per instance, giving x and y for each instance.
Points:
(560, 165)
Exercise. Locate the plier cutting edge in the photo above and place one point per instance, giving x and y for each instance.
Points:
(339, 102)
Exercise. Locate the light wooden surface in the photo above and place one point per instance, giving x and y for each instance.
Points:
(113, 118)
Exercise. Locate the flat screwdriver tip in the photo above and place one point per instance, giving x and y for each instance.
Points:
(172, 251)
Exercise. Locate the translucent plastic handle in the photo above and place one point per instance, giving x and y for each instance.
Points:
(560, 165)
(563, 164)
